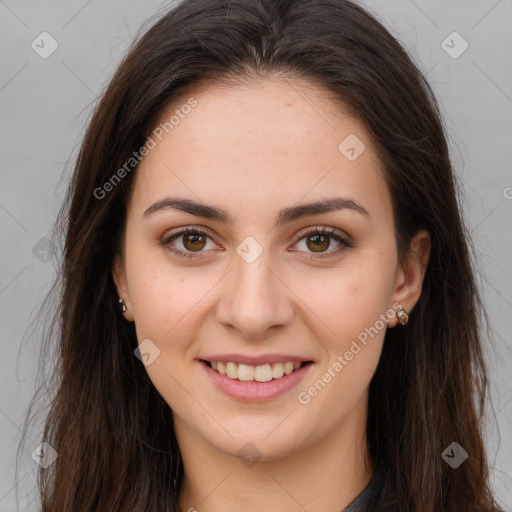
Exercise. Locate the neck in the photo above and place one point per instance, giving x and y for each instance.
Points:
(321, 477)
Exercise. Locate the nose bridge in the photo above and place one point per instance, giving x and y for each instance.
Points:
(256, 299)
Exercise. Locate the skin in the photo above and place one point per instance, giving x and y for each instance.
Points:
(253, 150)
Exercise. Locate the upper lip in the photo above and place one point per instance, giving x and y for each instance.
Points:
(255, 360)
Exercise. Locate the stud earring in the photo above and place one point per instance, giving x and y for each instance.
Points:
(402, 316)
(123, 306)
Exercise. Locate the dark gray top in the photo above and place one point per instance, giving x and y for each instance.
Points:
(366, 500)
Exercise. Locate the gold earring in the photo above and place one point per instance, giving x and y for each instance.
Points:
(123, 306)
(402, 316)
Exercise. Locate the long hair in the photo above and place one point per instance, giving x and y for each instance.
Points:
(113, 432)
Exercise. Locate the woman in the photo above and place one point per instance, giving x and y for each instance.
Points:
(267, 299)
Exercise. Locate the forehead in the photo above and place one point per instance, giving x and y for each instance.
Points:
(271, 142)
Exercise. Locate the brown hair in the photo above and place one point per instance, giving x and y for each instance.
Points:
(110, 426)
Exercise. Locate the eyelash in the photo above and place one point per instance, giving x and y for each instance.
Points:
(311, 231)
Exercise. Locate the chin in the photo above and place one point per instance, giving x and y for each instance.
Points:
(260, 443)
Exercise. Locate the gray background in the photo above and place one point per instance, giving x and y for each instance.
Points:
(45, 104)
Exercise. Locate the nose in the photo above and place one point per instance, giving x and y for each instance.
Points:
(255, 299)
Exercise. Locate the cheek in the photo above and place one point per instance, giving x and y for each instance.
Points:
(166, 307)
(354, 307)
(350, 299)
(161, 298)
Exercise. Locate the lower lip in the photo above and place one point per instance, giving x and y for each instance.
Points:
(252, 391)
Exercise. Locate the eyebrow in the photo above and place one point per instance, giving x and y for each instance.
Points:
(284, 216)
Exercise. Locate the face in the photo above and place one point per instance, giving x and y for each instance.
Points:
(258, 282)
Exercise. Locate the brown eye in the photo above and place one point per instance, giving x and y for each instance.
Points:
(189, 241)
(318, 240)
(194, 241)
(318, 243)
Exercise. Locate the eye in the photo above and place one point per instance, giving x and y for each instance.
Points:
(194, 240)
(318, 240)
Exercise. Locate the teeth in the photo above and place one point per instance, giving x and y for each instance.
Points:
(288, 368)
(231, 370)
(245, 372)
(277, 370)
(261, 373)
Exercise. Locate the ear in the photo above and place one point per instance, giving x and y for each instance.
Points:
(409, 278)
(119, 276)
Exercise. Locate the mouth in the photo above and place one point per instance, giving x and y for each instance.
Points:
(250, 373)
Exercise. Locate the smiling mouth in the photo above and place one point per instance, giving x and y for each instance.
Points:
(260, 373)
